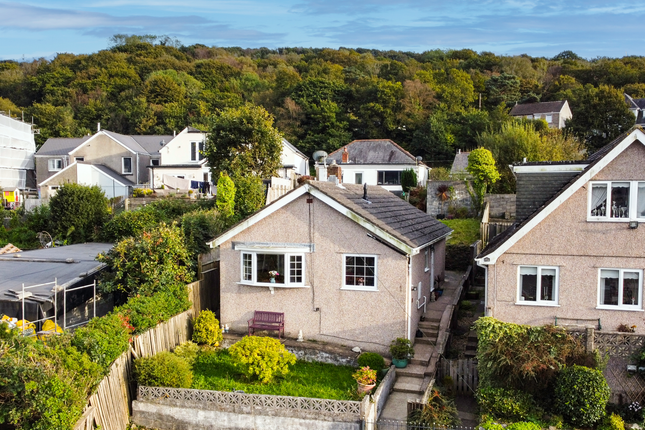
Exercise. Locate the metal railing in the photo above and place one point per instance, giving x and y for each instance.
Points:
(42, 320)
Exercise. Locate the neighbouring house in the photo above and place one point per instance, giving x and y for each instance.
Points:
(554, 113)
(120, 162)
(17, 148)
(355, 265)
(294, 165)
(376, 162)
(637, 107)
(575, 255)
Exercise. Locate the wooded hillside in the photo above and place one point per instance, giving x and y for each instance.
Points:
(321, 98)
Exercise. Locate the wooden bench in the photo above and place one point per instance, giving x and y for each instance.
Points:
(263, 320)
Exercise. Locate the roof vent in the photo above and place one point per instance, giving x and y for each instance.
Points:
(365, 193)
(163, 142)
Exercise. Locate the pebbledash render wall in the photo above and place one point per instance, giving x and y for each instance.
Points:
(322, 310)
(579, 249)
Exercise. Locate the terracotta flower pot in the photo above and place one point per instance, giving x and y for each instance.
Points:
(364, 389)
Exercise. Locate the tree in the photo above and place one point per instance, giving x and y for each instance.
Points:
(243, 142)
(249, 195)
(408, 180)
(599, 116)
(225, 195)
(481, 165)
(504, 88)
(78, 212)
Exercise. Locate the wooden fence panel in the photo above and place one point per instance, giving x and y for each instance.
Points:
(463, 373)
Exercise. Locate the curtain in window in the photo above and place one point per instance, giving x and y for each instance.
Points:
(547, 284)
(528, 283)
(630, 288)
(598, 200)
(620, 199)
(609, 287)
(640, 204)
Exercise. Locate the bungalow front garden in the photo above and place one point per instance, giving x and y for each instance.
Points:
(254, 365)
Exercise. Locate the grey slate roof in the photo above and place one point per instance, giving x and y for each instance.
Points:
(374, 151)
(126, 140)
(60, 145)
(387, 211)
(460, 163)
(533, 108)
(535, 189)
(114, 175)
(152, 144)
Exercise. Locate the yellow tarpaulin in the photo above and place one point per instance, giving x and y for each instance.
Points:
(9, 196)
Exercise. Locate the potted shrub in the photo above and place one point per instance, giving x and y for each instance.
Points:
(401, 350)
(366, 379)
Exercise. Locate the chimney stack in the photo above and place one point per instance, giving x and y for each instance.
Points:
(334, 170)
(345, 158)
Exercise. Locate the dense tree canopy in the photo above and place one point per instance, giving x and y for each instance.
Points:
(431, 103)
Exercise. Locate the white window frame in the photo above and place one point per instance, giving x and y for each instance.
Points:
(123, 166)
(632, 211)
(427, 260)
(360, 287)
(362, 178)
(538, 287)
(549, 119)
(635, 307)
(286, 270)
(55, 164)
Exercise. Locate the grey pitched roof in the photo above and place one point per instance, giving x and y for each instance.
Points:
(293, 148)
(60, 145)
(387, 211)
(114, 175)
(374, 151)
(533, 108)
(152, 144)
(631, 103)
(460, 163)
(193, 130)
(126, 140)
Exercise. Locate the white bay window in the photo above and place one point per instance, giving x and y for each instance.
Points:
(272, 265)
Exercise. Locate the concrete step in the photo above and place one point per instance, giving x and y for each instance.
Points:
(407, 384)
(431, 368)
(429, 340)
(422, 354)
(434, 316)
(412, 370)
(429, 325)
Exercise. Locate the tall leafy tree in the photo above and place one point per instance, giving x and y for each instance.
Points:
(242, 141)
(481, 165)
(78, 212)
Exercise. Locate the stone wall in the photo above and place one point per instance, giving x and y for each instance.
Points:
(460, 197)
(501, 205)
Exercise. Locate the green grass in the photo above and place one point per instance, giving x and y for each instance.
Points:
(466, 231)
(215, 370)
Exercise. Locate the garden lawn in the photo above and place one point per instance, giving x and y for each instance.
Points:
(466, 231)
(215, 370)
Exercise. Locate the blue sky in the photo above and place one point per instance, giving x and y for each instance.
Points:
(32, 29)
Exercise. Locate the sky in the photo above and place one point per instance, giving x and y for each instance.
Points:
(592, 28)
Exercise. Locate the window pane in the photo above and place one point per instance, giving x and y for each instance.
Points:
(201, 151)
(599, 200)
(528, 283)
(392, 178)
(547, 284)
(630, 288)
(359, 178)
(127, 165)
(270, 263)
(640, 207)
(295, 269)
(193, 151)
(620, 199)
(609, 287)
(247, 262)
(360, 271)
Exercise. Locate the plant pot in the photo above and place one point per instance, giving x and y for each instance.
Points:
(400, 362)
(364, 389)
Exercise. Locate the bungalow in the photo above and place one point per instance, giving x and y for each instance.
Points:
(576, 255)
(346, 264)
(554, 113)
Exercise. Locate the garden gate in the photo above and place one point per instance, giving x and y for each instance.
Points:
(463, 373)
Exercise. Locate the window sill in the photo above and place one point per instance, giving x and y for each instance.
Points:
(625, 220)
(356, 288)
(543, 304)
(270, 285)
(618, 308)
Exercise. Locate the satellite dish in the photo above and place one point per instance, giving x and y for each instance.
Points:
(320, 156)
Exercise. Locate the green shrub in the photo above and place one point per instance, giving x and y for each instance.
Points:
(188, 351)
(523, 426)
(504, 404)
(78, 212)
(581, 395)
(372, 360)
(104, 339)
(141, 192)
(206, 330)
(490, 424)
(163, 370)
(199, 227)
(145, 312)
(408, 180)
(130, 223)
(611, 422)
(261, 357)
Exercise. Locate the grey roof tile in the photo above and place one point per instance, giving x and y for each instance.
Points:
(60, 145)
(460, 163)
(152, 144)
(533, 108)
(374, 151)
(114, 175)
(387, 211)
